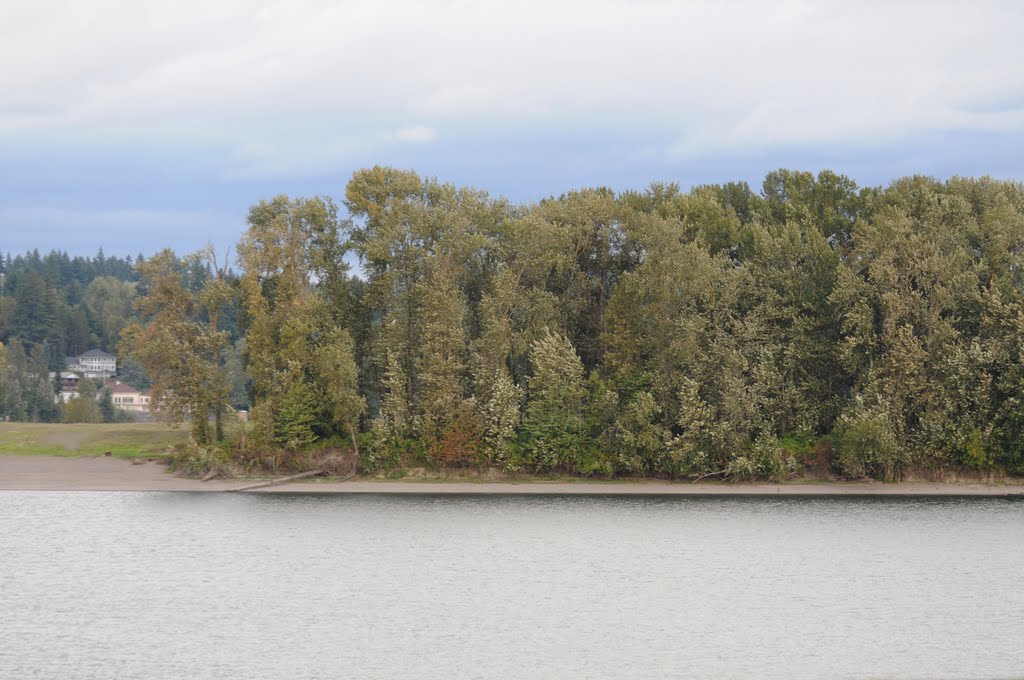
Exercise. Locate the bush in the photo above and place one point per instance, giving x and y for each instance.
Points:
(335, 462)
(386, 452)
(685, 457)
(766, 459)
(459, 442)
(196, 461)
(594, 462)
(381, 454)
(822, 458)
(975, 455)
(637, 437)
(867, 443)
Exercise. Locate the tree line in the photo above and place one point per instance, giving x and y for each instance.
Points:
(813, 324)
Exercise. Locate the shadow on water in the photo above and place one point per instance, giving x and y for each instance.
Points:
(485, 499)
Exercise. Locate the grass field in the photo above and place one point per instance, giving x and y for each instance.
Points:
(126, 440)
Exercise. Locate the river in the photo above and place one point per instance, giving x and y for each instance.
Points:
(195, 586)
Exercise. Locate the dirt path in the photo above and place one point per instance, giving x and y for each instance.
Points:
(113, 474)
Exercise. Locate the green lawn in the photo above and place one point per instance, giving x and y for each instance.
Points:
(126, 440)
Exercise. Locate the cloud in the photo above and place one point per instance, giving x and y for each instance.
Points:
(138, 123)
(295, 155)
(721, 75)
(316, 152)
(416, 133)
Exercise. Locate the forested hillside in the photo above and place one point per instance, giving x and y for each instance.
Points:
(66, 304)
(811, 325)
(54, 306)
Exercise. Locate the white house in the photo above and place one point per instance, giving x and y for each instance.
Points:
(93, 364)
(68, 386)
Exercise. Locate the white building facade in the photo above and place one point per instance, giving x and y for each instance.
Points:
(95, 364)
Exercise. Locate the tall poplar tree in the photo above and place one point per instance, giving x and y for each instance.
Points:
(178, 343)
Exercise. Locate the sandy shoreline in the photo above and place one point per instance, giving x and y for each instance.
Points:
(52, 473)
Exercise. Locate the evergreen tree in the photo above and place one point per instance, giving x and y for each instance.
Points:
(106, 406)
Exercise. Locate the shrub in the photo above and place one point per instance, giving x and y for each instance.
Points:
(381, 454)
(766, 459)
(197, 461)
(637, 436)
(459, 442)
(682, 459)
(975, 455)
(822, 458)
(867, 443)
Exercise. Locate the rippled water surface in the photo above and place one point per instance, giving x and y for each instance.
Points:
(174, 585)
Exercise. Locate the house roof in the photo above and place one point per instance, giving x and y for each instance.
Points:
(123, 388)
(96, 354)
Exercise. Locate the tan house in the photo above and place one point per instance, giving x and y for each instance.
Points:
(129, 398)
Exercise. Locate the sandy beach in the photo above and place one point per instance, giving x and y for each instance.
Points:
(54, 473)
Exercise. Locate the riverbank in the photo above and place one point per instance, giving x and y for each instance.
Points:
(55, 473)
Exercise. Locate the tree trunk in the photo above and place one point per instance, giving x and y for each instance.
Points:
(352, 433)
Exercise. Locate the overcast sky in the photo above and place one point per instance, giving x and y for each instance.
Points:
(134, 125)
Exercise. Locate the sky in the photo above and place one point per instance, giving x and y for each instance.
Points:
(133, 125)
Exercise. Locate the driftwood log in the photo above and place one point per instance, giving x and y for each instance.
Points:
(278, 480)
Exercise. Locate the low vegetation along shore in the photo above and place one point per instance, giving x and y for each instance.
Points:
(146, 457)
(92, 473)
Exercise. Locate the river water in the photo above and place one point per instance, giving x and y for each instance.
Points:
(196, 586)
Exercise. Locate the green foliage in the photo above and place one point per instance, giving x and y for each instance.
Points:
(66, 304)
(300, 362)
(397, 419)
(868, 442)
(36, 315)
(637, 440)
(554, 418)
(390, 455)
(28, 393)
(296, 417)
(338, 376)
(132, 373)
(179, 343)
(719, 331)
(766, 459)
(108, 302)
(84, 408)
(975, 455)
(501, 417)
(106, 406)
(196, 460)
(705, 442)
